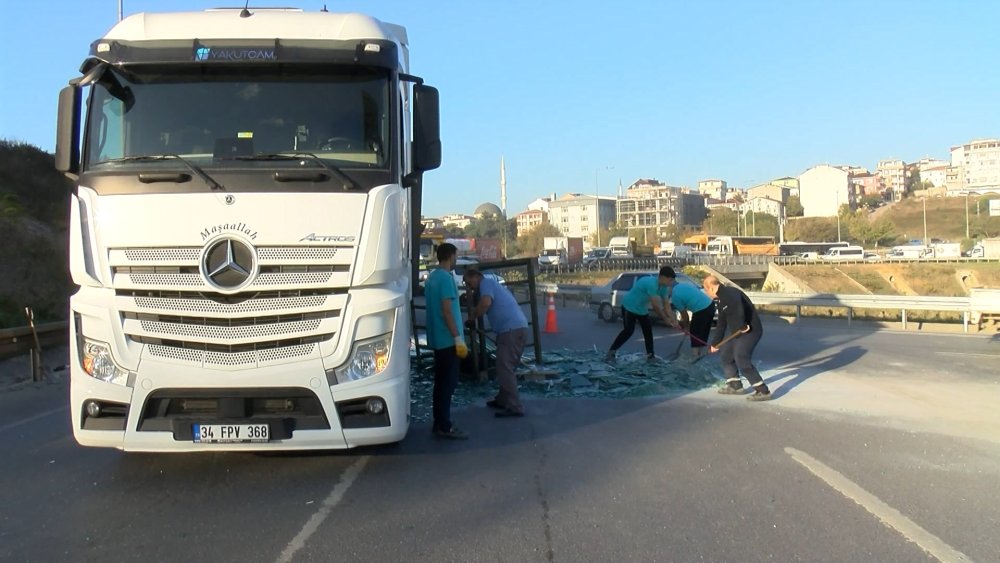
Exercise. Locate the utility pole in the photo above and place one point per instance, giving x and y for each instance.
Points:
(925, 221)
(597, 200)
(120, 10)
(966, 214)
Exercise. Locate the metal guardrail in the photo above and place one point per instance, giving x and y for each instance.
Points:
(967, 306)
(18, 340)
(903, 303)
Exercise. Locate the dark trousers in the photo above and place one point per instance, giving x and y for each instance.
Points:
(701, 326)
(737, 359)
(629, 319)
(445, 381)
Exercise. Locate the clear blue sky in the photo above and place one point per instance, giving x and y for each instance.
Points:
(677, 91)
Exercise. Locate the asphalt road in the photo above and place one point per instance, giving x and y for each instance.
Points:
(879, 446)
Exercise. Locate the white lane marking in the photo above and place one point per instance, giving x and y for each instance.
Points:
(335, 496)
(889, 516)
(977, 354)
(31, 418)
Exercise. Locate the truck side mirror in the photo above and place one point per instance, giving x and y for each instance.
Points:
(68, 131)
(426, 128)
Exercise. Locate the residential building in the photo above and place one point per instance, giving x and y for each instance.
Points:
(893, 174)
(791, 183)
(431, 223)
(714, 189)
(733, 204)
(980, 163)
(528, 220)
(457, 220)
(541, 204)
(823, 189)
(867, 184)
(776, 192)
(763, 204)
(655, 208)
(936, 175)
(578, 215)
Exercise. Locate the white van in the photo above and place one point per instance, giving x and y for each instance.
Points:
(844, 253)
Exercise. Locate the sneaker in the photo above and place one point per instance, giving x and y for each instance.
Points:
(610, 358)
(727, 390)
(452, 433)
(651, 359)
(760, 396)
(507, 413)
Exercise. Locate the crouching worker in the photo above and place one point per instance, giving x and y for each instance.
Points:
(737, 315)
(511, 327)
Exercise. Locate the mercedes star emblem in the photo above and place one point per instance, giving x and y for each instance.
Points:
(228, 264)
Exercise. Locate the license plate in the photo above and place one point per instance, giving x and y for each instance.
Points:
(229, 433)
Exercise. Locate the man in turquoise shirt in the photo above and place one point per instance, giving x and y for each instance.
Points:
(685, 298)
(648, 291)
(445, 337)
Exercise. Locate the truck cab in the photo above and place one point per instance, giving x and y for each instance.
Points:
(248, 186)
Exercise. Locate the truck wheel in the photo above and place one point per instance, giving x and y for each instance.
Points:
(606, 313)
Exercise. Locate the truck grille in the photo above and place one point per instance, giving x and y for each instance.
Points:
(295, 302)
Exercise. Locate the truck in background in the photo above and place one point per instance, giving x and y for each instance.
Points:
(945, 250)
(244, 230)
(909, 252)
(626, 247)
(726, 245)
(986, 248)
(561, 253)
(672, 250)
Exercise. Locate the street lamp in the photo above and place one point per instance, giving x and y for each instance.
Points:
(925, 221)
(967, 214)
(597, 200)
(838, 216)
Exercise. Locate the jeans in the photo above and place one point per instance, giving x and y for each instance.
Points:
(629, 319)
(445, 381)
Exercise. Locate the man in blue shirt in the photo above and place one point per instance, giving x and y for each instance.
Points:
(446, 338)
(511, 326)
(647, 292)
(685, 298)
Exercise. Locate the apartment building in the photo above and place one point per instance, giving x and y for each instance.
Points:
(655, 208)
(979, 163)
(577, 215)
(770, 190)
(823, 189)
(714, 189)
(528, 220)
(893, 174)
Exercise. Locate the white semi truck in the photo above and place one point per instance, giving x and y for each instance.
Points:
(248, 190)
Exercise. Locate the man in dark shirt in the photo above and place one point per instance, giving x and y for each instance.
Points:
(737, 315)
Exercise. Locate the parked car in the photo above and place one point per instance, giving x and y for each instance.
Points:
(606, 301)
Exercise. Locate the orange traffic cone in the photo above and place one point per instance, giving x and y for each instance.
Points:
(550, 318)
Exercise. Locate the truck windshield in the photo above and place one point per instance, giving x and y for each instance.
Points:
(225, 117)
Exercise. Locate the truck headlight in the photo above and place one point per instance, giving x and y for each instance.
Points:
(369, 357)
(98, 363)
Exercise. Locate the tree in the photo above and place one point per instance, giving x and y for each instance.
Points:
(912, 182)
(794, 207)
(761, 224)
(533, 241)
(613, 230)
(722, 221)
(871, 201)
(864, 231)
(812, 229)
(489, 225)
